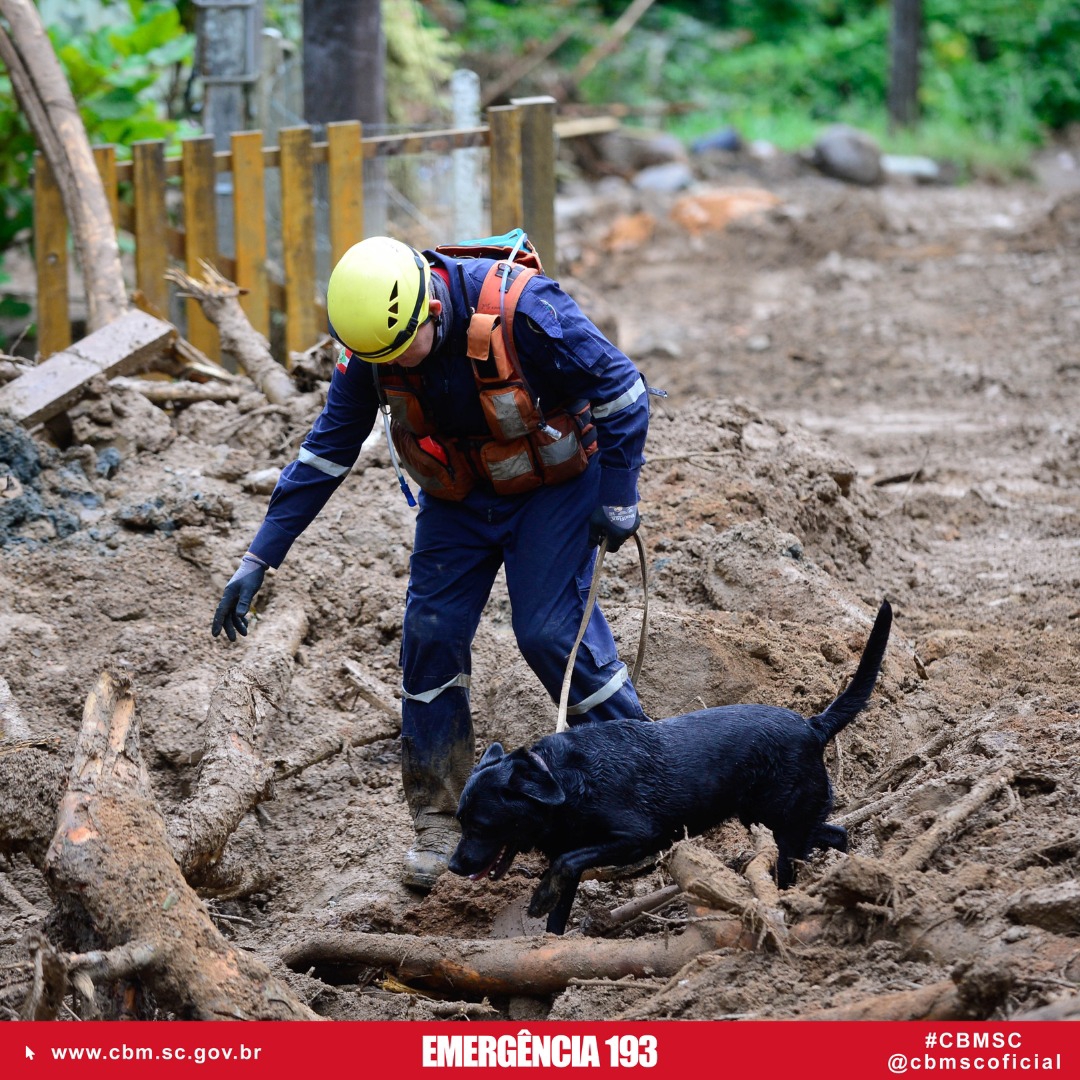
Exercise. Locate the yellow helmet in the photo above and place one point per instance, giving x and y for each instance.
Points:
(377, 298)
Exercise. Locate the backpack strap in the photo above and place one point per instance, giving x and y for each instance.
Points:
(493, 300)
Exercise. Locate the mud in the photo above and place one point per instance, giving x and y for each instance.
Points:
(871, 393)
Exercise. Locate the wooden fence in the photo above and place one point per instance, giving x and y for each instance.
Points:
(520, 138)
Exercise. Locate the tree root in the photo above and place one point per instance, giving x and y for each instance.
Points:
(702, 875)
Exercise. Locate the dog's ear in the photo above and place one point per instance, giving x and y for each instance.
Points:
(493, 754)
(534, 781)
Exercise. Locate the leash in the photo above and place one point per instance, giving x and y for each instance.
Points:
(564, 696)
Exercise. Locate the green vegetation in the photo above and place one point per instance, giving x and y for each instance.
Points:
(997, 75)
(125, 72)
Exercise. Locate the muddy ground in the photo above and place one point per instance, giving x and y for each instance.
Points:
(871, 393)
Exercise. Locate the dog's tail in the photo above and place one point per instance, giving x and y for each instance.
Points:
(853, 700)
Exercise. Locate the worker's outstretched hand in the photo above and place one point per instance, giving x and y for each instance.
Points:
(231, 614)
(617, 523)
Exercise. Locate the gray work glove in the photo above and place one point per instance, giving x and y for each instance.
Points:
(232, 610)
(617, 523)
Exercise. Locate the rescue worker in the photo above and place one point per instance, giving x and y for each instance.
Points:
(530, 477)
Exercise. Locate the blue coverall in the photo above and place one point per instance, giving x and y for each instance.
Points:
(541, 537)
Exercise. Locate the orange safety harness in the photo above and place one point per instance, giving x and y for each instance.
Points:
(525, 448)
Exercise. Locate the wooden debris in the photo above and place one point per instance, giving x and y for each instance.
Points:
(218, 298)
(126, 345)
(938, 1001)
(179, 393)
(111, 856)
(929, 752)
(520, 965)
(184, 358)
(233, 775)
(327, 744)
(46, 99)
(370, 689)
(49, 982)
(10, 368)
(624, 914)
(951, 822)
(703, 875)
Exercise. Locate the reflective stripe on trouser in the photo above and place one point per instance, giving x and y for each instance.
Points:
(543, 539)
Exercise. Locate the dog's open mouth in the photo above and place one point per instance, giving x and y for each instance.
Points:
(499, 865)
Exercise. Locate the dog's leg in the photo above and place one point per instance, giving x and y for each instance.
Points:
(788, 849)
(557, 888)
(830, 836)
(557, 881)
(554, 896)
(560, 913)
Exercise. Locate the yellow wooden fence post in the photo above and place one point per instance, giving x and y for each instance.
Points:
(507, 210)
(105, 159)
(298, 239)
(199, 175)
(538, 175)
(345, 173)
(51, 259)
(249, 224)
(151, 241)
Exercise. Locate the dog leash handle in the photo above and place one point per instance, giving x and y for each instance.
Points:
(564, 696)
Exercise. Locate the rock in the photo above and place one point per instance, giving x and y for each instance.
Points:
(108, 461)
(924, 170)
(848, 154)
(261, 481)
(726, 138)
(628, 152)
(1053, 907)
(665, 179)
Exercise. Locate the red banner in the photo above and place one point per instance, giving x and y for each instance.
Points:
(751, 1050)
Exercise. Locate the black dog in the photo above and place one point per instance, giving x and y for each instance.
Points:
(611, 793)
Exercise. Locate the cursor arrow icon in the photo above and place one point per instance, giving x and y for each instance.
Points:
(29, 1054)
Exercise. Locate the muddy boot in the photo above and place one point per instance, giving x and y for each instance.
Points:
(436, 837)
(432, 791)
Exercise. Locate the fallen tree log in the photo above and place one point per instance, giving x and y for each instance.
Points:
(218, 298)
(535, 966)
(179, 393)
(112, 859)
(46, 99)
(937, 1001)
(234, 776)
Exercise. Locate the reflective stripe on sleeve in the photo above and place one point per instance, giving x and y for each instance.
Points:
(601, 695)
(621, 402)
(306, 457)
(429, 696)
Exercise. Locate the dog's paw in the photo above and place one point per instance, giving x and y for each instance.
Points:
(544, 898)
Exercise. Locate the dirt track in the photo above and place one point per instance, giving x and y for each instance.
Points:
(871, 393)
